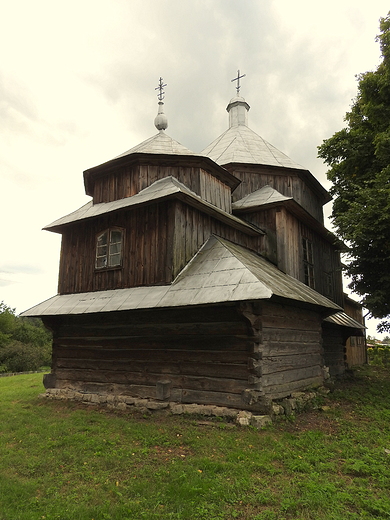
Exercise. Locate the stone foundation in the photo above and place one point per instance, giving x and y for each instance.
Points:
(297, 402)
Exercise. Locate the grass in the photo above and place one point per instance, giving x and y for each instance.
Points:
(60, 461)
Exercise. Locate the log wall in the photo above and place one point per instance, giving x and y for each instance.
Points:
(288, 351)
(202, 354)
(147, 256)
(237, 356)
(334, 340)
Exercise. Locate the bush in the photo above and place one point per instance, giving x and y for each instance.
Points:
(25, 344)
(22, 357)
(379, 355)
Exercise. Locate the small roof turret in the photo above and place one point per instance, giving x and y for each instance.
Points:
(240, 144)
(238, 108)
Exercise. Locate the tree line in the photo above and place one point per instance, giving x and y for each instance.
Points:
(359, 161)
(25, 344)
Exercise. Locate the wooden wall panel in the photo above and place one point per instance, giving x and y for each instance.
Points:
(334, 340)
(193, 228)
(289, 348)
(203, 354)
(146, 256)
(283, 246)
(130, 180)
(283, 180)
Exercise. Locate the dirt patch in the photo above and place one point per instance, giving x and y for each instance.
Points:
(312, 421)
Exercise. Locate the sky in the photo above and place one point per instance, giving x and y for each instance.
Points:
(77, 88)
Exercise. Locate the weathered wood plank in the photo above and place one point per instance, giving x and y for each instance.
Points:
(282, 390)
(163, 355)
(178, 381)
(291, 336)
(276, 348)
(219, 370)
(288, 376)
(273, 364)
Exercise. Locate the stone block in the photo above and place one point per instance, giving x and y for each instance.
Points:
(277, 409)
(260, 421)
(154, 405)
(289, 406)
(244, 418)
(176, 409)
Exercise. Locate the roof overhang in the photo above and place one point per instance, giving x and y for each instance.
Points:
(221, 272)
(162, 190)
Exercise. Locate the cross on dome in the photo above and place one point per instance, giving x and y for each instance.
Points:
(160, 87)
(238, 81)
(161, 120)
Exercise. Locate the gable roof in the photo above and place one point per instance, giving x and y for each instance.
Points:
(221, 272)
(261, 197)
(160, 190)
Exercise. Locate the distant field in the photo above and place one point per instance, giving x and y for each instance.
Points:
(65, 462)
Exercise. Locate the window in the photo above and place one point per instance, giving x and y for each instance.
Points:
(308, 262)
(109, 249)
(328, 284)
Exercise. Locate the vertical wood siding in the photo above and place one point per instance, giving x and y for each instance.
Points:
(286, 182)
(159, 240)
(193, 228)
(130, 180)
(147, 259)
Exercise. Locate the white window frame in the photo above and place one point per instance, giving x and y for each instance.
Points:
(109, 249)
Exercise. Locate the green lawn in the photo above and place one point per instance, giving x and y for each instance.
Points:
(65, 462)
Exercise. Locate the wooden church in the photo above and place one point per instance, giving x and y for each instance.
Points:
(198, 278)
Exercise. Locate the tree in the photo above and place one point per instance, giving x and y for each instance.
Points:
(359, 160)
(25, 344)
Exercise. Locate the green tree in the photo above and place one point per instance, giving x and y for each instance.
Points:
(25, 344)
(359, 160)
(7, 323)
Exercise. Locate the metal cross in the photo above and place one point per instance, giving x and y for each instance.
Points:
(238, 81)
(160, 87)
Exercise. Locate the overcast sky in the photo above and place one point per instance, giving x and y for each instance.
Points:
(77, 82)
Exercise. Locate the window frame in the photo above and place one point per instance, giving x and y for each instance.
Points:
(109, 245)
(308, 262)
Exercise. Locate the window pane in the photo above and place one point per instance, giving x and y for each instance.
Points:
(115, 260)
(115, 248)
(101, 262)
(101, 250)
(102, 239)
(116, 236)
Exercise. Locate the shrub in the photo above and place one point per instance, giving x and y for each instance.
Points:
(379, 355)
(25, 344)
(21, 357)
